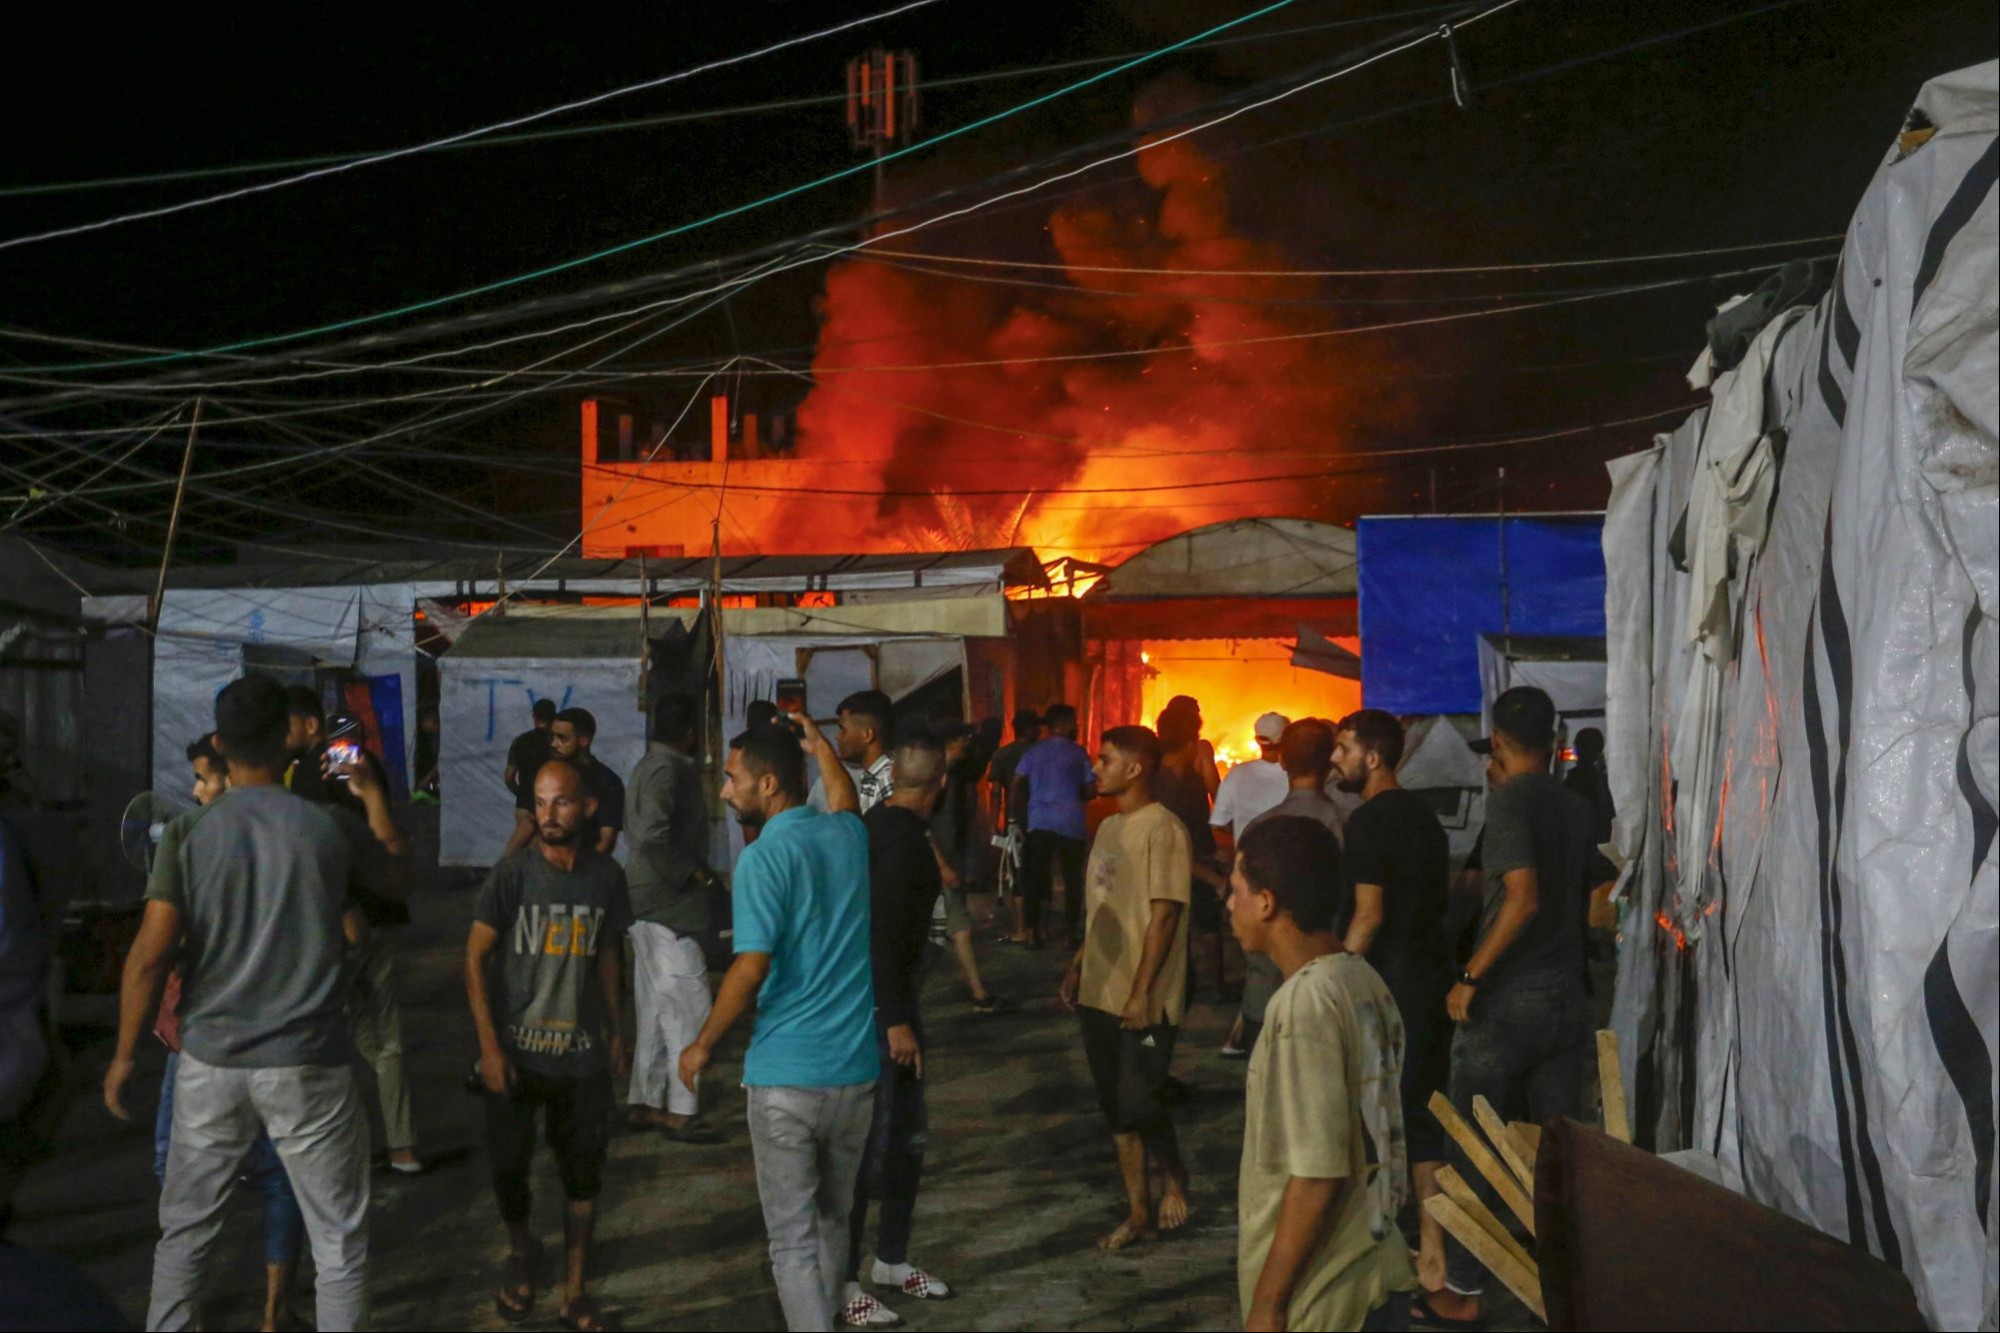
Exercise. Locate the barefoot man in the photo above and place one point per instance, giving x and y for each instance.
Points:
(1130, 978)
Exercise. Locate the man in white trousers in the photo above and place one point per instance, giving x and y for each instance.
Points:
(666, 823)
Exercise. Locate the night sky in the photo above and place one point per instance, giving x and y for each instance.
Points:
(1765, 128)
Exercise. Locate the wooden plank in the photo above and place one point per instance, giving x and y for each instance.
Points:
(1503, 1139)
(1482, 1158)
(1524, 1282)
(1461, 1193)
(1530, 1135)
(1611, 1087)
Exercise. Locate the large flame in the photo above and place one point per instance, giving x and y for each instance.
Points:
(1238, 681)
(1096, 439)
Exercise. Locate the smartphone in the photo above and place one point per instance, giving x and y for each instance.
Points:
(791, 695)
(342, 756)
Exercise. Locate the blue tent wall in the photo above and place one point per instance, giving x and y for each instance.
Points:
(1431, 586)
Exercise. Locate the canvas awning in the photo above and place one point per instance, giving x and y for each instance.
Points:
(1247, 557)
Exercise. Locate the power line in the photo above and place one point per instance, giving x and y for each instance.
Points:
(683, 117)
(1365, 272)
(356, 163)
(685, 227)
(1193, 348)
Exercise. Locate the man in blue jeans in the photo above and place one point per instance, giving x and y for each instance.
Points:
(801, 916)
(1522, 1012)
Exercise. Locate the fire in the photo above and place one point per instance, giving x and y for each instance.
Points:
(1095, 438)
(1236, 682)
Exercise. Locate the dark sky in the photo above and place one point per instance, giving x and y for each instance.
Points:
(1764, 128)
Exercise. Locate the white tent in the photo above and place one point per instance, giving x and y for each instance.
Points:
(1802, 727)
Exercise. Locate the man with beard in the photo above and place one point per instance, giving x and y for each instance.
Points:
(1397, 862)
(571, 737)
(542, 973)
(1130, 979)
(801, 917)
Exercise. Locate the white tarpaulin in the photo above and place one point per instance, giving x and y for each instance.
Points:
(1804, 748)
(201, 639)
(484, 703)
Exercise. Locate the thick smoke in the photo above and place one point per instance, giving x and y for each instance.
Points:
(1223, 406)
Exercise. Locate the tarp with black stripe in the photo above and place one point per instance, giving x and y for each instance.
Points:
(1806, 749)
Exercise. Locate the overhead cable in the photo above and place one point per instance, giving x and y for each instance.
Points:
(462, 136)
(682, 229)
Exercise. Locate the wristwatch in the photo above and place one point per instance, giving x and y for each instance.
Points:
(1467, 979)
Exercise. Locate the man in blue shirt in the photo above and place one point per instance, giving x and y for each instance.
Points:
(1051, 783)
(801, 900)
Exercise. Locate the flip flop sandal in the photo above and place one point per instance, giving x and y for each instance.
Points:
(518, 1271)
(1422, 1311)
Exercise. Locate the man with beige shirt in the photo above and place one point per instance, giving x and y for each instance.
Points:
(1130, 978)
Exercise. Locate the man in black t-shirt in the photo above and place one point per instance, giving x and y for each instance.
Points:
(1522, 1011)
(905, 879)
(570, 737)
(530, 750)
(542, 975)
(1397, 860)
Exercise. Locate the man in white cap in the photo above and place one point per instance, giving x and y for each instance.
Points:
(1250, 788)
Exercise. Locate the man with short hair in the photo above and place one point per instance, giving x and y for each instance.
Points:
(862, 741)
(668, 876)
(905, 884)
(953, 824)
(571, 736)
(251, 886)
(1006, 759)
(1322, 1174)
(1305, 753)
(530, 750)
(1398, 862)
(264, 1171)
(542, 975)
(1052, 782)
(1130, 979)
(801, 917)
(358, 795)
(1522, 1012)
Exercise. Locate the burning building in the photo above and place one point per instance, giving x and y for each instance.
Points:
(1165, 372)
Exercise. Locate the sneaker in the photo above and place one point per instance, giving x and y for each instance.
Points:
(910, 1280)
(864, 1311)
(1232, 1051)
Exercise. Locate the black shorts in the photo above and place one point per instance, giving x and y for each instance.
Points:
(577, 1116)
(1129, 1069)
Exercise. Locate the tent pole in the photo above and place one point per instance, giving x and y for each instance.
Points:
(174, 520)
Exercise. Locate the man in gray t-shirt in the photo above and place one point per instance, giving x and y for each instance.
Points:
(248, 891)
(542, 975)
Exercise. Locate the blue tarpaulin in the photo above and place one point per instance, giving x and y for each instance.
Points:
(1431, 586)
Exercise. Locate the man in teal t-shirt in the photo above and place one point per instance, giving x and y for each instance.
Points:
(801, 897)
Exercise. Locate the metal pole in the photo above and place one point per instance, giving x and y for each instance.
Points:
(173, 521)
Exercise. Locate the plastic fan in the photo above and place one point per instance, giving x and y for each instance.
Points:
(140, 827)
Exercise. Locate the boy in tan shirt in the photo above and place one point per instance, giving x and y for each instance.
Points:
(1129, 979)
(1323, 1158)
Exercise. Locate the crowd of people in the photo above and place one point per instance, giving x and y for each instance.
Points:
(268, 955)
